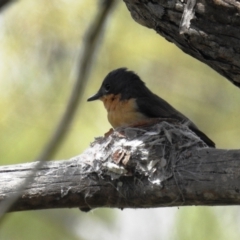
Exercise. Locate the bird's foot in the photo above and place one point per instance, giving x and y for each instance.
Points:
(110, 131)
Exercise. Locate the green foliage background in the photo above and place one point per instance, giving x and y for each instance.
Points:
(40, 45)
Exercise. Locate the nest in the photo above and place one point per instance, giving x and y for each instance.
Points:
(150, 151)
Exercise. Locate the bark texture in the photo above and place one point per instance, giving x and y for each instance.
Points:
(156, 166)
(210, 32)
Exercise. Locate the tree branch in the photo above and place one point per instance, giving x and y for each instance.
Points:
(212, 35)
(155, 166)
(4, 3)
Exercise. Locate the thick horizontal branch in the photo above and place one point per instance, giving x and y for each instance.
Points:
(210, 34)
(161, 165)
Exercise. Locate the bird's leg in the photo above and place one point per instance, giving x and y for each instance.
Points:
(109, 132)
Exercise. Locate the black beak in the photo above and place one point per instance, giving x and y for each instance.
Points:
(95, 97)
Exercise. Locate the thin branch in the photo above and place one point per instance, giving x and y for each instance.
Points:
(89, 47)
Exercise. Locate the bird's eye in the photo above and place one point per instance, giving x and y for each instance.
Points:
(107, 87)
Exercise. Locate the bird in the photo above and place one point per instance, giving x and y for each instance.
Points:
(128, 101)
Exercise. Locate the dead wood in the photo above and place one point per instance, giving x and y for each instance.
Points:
(155, 166)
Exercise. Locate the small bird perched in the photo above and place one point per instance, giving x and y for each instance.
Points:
(128, 102)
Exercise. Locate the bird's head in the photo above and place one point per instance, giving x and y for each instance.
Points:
(121, 82)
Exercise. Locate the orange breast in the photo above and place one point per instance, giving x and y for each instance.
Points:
(121, 113)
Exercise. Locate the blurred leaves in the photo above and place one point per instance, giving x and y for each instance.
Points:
(39, 49)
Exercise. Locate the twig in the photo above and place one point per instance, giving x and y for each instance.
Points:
(89, 47)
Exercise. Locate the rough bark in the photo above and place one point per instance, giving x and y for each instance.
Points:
(156, 166)
(212, 34)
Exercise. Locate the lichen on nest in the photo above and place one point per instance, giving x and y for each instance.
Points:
(151, 151)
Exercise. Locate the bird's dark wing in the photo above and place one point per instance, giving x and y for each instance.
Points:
(155, 107)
